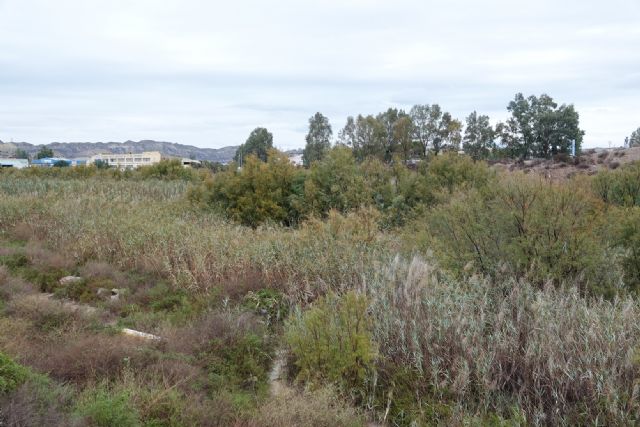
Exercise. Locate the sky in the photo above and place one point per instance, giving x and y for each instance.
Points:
(207, 72)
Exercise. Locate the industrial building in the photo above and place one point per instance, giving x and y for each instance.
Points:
(14, 163)
(48, 162)
(127, 161)
(135, 160)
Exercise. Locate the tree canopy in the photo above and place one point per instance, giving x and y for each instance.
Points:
(318, 139)
(44, 152)
(478, 141)
(634, 139)
(259, 142)
(538, 127)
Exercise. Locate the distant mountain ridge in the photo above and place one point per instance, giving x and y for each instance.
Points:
(87, 149)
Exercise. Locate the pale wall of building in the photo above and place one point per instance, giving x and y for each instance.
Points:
(128, 161)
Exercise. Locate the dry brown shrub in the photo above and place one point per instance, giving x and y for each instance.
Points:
(103, 270)
(30, 405)
(226, 327)
(24, 231)
(4, 274)
(4, 251)
(43, 258)
(313, 409)
(244, 279)
(83, 357)
(15, 338)
(11, 287)
(47, 313)
(174, 371)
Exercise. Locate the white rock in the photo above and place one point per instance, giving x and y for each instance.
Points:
(70, 280)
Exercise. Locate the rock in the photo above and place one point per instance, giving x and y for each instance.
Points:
(103, 293)
(116, 293)
(139, 334)
(70, 280)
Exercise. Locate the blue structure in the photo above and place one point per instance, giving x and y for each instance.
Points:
(48, 162)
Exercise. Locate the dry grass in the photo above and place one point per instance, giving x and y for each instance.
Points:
(320, 408)
(37, 404)
(226, 327)
(46, 313)
(12, 287)
(43, 258)
(559, 357)
(83, 357)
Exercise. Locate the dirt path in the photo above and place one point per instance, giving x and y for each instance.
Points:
(277, 385)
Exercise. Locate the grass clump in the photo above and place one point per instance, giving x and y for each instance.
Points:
(331, 342)
(12, 374)
(102, 407)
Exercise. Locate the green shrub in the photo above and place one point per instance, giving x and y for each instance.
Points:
(15, 261)
(335, 183)
(331, 341)
(259, 192)
(11, 374)
(620, 186)
(269, 303)
(103, 408)
(524, 227)
(168, 170)
(626, 235)
(450, 171)
(242, 363)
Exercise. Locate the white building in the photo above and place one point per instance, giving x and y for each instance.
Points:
(296, 159)
(129, 160)
(14, 163)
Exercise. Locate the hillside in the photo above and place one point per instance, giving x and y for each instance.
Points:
(86, 149)
(588, 163)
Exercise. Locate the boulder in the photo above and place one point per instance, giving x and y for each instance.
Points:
(70, 280)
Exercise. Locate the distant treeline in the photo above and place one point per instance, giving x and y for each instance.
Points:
(537, 127)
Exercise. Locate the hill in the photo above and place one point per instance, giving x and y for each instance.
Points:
(87, 149)
(589, 163)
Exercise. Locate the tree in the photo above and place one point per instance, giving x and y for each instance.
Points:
(449, 134)
(259, 143)
(403, 136)
(101, 164)
(365, 135)
(44, 152)
(392, 141)
(261, 191)
(425, 126)
(21, 154)
(634, 139)
(478, 137)
(318, 139)
(434, 130)
(539, 127)
(335, 182)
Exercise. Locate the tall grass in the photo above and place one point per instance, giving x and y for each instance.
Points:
(148, 225)
(483, 347)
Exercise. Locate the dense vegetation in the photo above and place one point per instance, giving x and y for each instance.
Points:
(445, 293)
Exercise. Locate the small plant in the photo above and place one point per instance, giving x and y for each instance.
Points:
(11, 374)
(102, 408)
(331, 341)
(268, 303)
(14, 261)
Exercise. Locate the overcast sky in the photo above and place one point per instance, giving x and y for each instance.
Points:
(206, 73)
